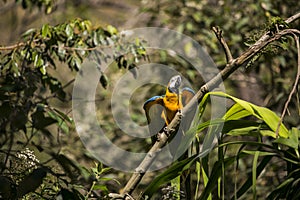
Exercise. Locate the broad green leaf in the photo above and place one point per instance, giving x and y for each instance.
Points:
(271, 120)
(262, 113)
(236, 112)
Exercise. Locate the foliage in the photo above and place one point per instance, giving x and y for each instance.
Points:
(47, 4)
(33, 102)
(247, 138)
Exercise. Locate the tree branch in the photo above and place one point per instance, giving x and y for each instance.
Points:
(232, 65)
(221, 39)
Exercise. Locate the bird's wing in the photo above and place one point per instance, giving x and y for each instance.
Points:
(153, 108)
(187, 94)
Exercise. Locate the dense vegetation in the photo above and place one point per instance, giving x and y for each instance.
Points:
(256, 154)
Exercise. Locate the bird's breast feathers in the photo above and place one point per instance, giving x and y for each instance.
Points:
(171, 102)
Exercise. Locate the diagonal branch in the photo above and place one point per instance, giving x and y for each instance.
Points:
(232, 65)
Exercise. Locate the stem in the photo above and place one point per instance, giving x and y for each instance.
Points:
(294, 86)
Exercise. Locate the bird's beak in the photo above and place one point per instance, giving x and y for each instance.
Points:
(174, 84)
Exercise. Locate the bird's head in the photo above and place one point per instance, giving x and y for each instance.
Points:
(174, 84)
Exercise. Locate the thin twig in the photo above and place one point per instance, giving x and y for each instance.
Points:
(221, 39)
(296, 37)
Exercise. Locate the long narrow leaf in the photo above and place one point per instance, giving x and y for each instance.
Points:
(248, 182)
(216, 173)
(175, 170)
(254, 167)
(262, 113)
(205, 181)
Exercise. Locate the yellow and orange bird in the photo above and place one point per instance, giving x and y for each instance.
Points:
(160, 110)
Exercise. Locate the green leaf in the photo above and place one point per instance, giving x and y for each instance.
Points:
(205, 181)
(262, 113)
(46, 31)
(48, 9)
(271, 119)
(198, 171)
(292, 141)
(112, 30)
(259, 153)
(250, 130)
(43, 70)
(29, 32)
(248, 182)
(100, 187)
(275, 194)
(216, 173)
(254, 167)
(61, 123)
(69, 31)
(40, 121)
(64, 116)
(236, 112)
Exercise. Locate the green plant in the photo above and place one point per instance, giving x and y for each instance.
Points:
(242, 138)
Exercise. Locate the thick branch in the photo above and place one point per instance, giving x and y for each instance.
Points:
(231, 66)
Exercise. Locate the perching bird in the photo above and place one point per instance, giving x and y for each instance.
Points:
(160, 110)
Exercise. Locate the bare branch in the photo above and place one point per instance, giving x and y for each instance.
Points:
(221, 39)
(293, 18)
(296, 37)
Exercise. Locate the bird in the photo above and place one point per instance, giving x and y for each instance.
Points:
(160, 111)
